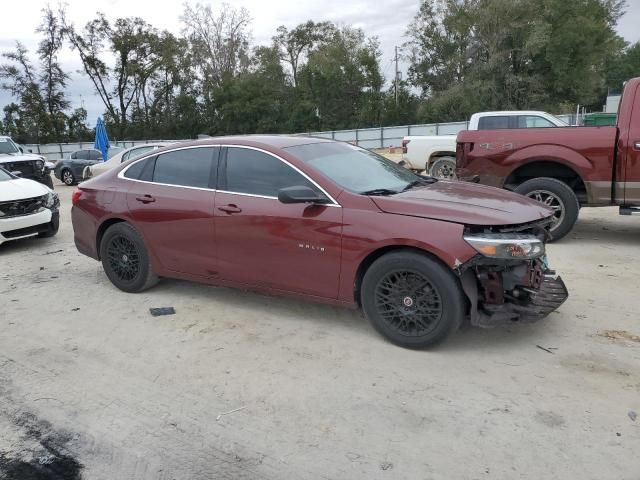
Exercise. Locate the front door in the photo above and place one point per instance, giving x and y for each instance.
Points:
(263, 242)
(632, 148)
(171, 202)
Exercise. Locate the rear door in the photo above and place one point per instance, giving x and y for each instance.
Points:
(171, 201)
(263, 242)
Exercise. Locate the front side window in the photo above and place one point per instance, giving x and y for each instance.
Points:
(354, 168)
(258, 173)
(191, 167)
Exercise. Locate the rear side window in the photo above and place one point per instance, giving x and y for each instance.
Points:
(533, 121)
(191, 167)
(142, 170)
(493, 123)
(95, 155)
(257, 173)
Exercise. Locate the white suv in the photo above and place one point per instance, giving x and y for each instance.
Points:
(27, 208)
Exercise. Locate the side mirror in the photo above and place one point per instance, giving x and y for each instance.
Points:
(21, 149)
(300, 194)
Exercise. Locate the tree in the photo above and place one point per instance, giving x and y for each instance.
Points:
(132, 42)
(342, 83)
(255, 101)
(295, 45)
(30, 115)
(220, 42)
(622, 66)
(510, 54)
(440, 39)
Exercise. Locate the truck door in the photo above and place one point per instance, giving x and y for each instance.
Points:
(628, 174)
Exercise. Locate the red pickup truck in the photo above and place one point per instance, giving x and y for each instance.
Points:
(565, 168)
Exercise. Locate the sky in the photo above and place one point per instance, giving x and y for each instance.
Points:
(385, 19)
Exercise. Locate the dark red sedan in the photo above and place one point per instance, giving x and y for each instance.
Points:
(327, 221)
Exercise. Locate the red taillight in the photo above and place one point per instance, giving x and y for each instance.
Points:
(404, 145)
(75, 196)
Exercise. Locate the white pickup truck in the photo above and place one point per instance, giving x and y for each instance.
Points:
(437, 154)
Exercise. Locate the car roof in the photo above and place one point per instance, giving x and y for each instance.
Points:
(259, 141)
(509, 112)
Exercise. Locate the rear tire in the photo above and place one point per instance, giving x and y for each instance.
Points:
(559, 196)
(125, 259)
(411, 299)
(444, 167)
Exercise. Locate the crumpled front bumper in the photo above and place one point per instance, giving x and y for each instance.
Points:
(537, 303)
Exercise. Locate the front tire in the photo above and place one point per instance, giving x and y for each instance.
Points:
(411, 299)
(67, 177)
(125, 259)
(556, 195)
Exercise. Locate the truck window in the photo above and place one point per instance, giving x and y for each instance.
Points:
(533, 121)
(493, 122)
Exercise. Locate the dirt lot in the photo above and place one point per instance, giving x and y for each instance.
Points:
(92, 386)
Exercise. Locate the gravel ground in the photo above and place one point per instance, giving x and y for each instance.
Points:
(92, 386)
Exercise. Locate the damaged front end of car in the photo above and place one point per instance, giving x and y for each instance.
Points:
(509, 280)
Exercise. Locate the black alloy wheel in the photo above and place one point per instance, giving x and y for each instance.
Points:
(125, 259)
(408, 302)
(412, 299)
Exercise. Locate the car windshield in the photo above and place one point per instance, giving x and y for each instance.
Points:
(7, 146)
(4, 175)
(355, 168)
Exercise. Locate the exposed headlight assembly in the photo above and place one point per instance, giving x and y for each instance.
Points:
(507, 246)
(39, 164)
(50, 200)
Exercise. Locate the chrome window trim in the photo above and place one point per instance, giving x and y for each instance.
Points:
(153, 152)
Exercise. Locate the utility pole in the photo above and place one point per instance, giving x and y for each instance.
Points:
(395, 83)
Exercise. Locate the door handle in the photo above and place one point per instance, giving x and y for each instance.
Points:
(636, 145)
(231, 208)
(146, 199)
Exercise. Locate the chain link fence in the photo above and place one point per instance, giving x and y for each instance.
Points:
(378, 137)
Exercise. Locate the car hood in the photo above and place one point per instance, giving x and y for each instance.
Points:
(19, 157)
(21, 188)
(466, 203)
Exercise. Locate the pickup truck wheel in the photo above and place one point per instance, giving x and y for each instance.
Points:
(444, 167)
(125, 259)
(557, 195)
(67, 177)
(411, 299)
